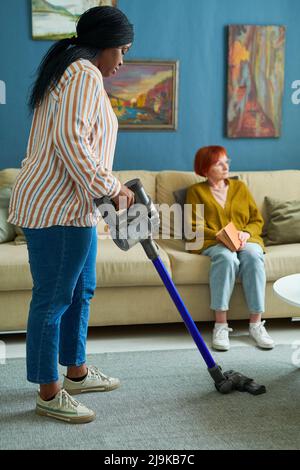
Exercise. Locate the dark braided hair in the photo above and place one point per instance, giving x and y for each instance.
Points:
(97, 29)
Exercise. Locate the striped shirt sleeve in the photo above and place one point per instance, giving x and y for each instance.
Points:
(80, 104)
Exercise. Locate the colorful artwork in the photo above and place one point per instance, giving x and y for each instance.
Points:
(56, 19)
(144, 95)
(255, 80)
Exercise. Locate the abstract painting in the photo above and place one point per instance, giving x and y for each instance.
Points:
(144, 95)
(56, 19)
(255, 80)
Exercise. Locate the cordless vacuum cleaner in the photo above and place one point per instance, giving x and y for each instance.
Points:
(127, 229)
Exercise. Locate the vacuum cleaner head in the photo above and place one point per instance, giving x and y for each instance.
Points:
(226, 382)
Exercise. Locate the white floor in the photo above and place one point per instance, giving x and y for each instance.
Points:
(153, 337)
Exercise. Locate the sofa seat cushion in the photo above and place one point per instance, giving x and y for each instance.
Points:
(282, 260)
(14, 268)
(126, 268)
(186, 268)
(114, 267)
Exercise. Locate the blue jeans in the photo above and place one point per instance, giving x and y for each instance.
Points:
(226, 266)
(63, 267)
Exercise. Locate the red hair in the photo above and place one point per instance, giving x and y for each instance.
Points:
(206, 157)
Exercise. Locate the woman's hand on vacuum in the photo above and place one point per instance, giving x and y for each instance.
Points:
(124, 199)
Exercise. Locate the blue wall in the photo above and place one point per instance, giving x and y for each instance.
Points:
(191, 31)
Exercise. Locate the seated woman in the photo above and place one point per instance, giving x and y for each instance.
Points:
(228, 200)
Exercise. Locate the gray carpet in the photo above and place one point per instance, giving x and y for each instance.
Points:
(167, 401)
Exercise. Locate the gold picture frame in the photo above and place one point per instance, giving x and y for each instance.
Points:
(144, 94)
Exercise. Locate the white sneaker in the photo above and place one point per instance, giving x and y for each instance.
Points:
(95, 381)
(261, 336)
(65, 408)
(221, 337)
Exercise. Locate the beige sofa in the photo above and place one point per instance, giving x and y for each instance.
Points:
(129, 291)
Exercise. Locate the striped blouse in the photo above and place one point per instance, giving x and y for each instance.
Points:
(69, 154)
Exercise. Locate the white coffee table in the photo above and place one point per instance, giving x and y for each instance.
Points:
(288, 289)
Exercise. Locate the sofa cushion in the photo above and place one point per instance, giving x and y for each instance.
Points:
(282, 260)
(14, 267)
(8, 177)
(186, 268)
(7, 230)
(114, 267)
(126, 268)
(283, 184)
(7, 180)
(20, 236)
(284, 221)
(167, 183)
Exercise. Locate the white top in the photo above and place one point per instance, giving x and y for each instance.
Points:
(288, 289)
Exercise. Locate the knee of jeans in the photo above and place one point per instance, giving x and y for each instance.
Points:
(42, 298)
(64, 299)
(89, 291)
(91, 282)
(227, 257)
(254, 258)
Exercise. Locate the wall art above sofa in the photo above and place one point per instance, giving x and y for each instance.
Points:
(56, 19)
(144, 94)
(255, 80)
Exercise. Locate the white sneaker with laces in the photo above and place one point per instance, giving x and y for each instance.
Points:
(221, 337)
(260, 335)
(95, 381)
(65, 408)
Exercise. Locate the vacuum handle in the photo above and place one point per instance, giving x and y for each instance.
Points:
(140, 195)
(104, 200)
(135, 186)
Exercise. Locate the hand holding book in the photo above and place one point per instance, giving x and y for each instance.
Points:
(243, 236)
(234, 239)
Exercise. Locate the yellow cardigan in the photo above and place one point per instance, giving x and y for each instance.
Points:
(240, 208)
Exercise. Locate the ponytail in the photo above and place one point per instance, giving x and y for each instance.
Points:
(53, 65)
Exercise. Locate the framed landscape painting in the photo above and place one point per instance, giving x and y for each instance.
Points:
(144, 95)
(56, 19)
(255, 80)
